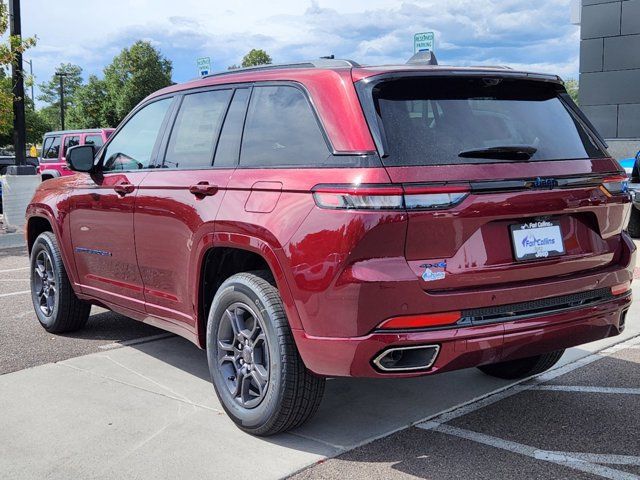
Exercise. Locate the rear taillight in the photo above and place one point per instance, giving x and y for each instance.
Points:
(615, 185)
(389, 197)
(361, 197)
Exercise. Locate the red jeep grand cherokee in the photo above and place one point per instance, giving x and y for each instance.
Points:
(325, 219)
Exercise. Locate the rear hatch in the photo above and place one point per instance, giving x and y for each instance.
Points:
(505, 181)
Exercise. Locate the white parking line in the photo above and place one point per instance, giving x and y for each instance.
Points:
(514, 388)
(14, 279)
(587, 389)
(589, 457)
(558, 458)
(14, 293)
(14, 269)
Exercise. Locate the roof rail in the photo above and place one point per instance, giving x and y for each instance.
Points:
(320, 63)
(501, 67)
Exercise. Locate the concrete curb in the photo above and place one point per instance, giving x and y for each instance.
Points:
(12, 240)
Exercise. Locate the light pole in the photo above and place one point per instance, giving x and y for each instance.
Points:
(19, 126)
(33, 100)
(61, 76)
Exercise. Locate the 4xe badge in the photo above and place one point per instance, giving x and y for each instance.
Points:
(434, 271)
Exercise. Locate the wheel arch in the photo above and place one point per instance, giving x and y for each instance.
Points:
(227, 254)
(40, 218)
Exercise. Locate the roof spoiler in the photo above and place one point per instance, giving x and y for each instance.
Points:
(423, 57)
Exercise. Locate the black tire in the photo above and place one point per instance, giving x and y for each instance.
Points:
(523, 367)
(292, 394)
(67, 312)
(634, 223)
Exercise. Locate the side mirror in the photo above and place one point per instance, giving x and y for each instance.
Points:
(80, 158)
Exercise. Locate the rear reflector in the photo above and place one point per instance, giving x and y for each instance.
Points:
(615, 185)
(621, 288)
(389, 197)
(421, 321)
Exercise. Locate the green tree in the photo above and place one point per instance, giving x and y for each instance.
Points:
(10, 45)
(256, 57)
(50, 93)
(573, 88)
(90, 105)
(37, 124)
(132, 75)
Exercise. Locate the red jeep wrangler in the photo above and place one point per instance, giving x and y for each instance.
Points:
(325, 219)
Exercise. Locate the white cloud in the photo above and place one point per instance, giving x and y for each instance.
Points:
(519, 33)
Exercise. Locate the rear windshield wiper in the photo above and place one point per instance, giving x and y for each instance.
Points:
(507, 152)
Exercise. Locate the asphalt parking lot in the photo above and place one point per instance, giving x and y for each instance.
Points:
(579, 421)
(121, 399)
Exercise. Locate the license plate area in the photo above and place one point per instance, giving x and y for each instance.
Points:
(536, 240)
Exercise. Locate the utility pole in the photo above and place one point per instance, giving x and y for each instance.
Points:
(61, 76)
(17, 79)
(33, 99)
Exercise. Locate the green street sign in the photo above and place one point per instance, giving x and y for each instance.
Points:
(204, 66)
(424, 41)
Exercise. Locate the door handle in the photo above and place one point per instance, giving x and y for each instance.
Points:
(124, 188)
(203, 189)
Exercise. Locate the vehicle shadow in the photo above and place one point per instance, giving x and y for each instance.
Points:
(353, 410)
(111, 327)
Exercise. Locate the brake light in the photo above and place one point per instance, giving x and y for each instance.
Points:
(421, 321)
(621, 288)
(389, 197)
(615, 185)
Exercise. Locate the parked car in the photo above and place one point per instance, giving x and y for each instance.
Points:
(634, 192)
(53, 162)
(8, 158)
(326, 219)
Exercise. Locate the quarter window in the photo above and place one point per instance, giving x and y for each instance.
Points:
(131, 148)
(281, 130)
(195, 132)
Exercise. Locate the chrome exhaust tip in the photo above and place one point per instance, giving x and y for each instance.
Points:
(407, 359)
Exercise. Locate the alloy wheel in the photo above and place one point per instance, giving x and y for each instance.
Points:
(243, 355)
(44, 283)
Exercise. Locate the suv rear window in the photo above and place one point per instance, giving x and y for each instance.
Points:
(431, 121)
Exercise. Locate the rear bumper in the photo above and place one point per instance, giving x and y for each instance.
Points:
(467, 346)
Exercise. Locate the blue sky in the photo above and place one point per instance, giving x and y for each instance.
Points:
(535, 35)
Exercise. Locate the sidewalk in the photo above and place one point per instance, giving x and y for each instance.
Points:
(10, 240)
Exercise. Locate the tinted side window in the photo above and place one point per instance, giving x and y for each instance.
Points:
(45, 146)
(93, 140)
(195, 132)
(229, 144)
(54, 149)
(132, 146)
(281, 130)
(70, 142)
